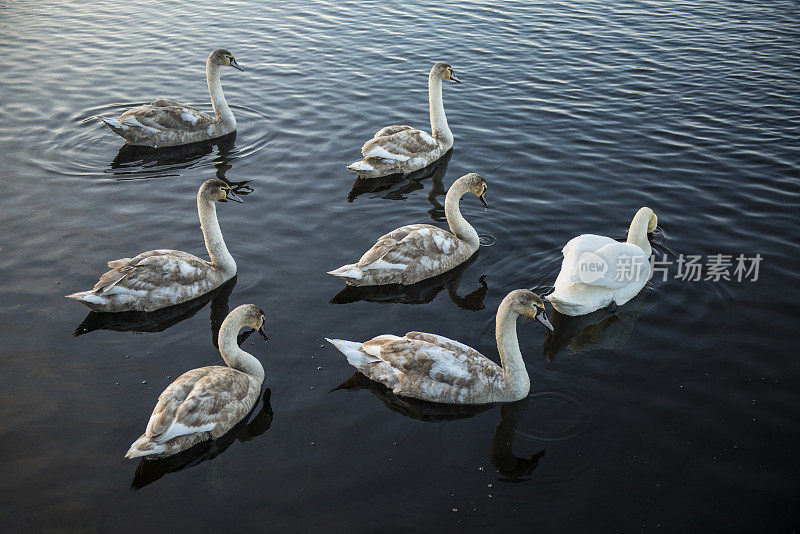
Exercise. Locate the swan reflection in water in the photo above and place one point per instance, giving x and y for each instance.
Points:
(160, 320)
(609, 328)
(422, 292)
(248, 428)
(133, 161)
(511, 468)
(408, 183)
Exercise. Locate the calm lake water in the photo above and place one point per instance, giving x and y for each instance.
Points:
(680, 410)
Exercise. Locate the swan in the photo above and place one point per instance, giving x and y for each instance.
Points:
(159, 278)
(168, 123)
(437, 369)
(403, 149)
(599, 270)
(205, 403)
(418, 251)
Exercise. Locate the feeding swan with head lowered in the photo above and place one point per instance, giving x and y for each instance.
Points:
(165, 122)
(403, 149)
(160, 278)
(598, 270)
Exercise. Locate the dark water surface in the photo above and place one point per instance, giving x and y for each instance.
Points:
(679, 410)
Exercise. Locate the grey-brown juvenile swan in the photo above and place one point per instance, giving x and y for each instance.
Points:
(159, 278)
(403, 149)
(205, 403)
(165, 122)
(437, 369)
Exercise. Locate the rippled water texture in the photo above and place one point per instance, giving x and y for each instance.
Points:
(678, 410)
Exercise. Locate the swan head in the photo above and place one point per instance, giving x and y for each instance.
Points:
(443, 71)
(250, 315)
(217, 189)
(526, 302)
(476, 184)
(224, 58)
(644, 222)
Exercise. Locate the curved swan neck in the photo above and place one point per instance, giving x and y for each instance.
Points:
(515, 376)
(458, 224)
(221, 109)
(215, 244)
(637, 232)
(234, 356)
(439, 128)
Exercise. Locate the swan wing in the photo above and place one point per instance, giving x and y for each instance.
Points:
(389, 130)
(625, 263)
(217, 399)
(163, 115)
(150, 270)
(400, 146)
(432, 367)
(408, 244)
(171, 398)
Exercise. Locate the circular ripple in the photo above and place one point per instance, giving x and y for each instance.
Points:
(555, 416)
(487, 240)
(85, 147)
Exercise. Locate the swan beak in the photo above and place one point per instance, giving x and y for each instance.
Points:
(230, 195)
(236, 65)
(482, 198)
(262, 333)
(453, 77)
(542, 318)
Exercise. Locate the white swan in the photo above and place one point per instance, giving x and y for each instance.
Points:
(437, 369)
(599, 270)
(403, 149)
(205, 403)
(168, 123)
(418, 251)
(160, 278)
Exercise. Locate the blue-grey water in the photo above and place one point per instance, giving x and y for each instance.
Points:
(679, 410)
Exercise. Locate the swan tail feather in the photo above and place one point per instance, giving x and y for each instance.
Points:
(144, 447)
(350, 272)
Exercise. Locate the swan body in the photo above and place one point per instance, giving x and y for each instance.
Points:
(164, 122)
(205, 403)
(159, 278)
(598, 270)
(417, 251)
(437, 369)
(403, 149)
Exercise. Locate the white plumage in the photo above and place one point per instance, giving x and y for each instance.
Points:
(598, 270)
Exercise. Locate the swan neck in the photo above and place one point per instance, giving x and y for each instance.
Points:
(637, 233)
(458, 224)
(234, 356)
(212, 235)
(221, 109)
(516, 382)
(439, 128)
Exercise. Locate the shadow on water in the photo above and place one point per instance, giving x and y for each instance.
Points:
(609, 328)
(511, 468)
(397, 186)
(134, 162)
(420, 293)
(149, 471)
(160, 320)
